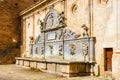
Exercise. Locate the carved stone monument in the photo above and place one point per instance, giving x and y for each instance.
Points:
(59, 48)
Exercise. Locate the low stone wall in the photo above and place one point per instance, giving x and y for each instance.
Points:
(64, 68)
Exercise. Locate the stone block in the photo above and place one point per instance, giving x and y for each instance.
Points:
(33, 64)
(73, 68)
(26, 63)
(65, 68)
(88, 67)
(59, 67)
(96, 70)
(17, 62)
(21, 63)
(68, 70)
(41, 66)
(51, 67)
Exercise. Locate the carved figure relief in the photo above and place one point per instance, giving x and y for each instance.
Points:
(72, 49)
(51, 49)
(85, 31)
(68, 34)
(40, 23)
(54, 20)
(60, 50)
(61, 20)
(51, 20)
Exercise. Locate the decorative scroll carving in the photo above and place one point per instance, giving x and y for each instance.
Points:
(42, 50)
(85, 46)
(59, 34)
(61, 20)
(40, 23)
(68, 34)
(72, 49)
(31, 39)
(60, 50)
(51, 49)
(85, 31)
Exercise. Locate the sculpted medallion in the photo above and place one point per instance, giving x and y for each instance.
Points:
(72, 49)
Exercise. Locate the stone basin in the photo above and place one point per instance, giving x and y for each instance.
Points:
(60, 67)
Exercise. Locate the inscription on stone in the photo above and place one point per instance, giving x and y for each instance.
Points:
(51, 36)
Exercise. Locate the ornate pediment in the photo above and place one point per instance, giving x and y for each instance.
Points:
(53, 20)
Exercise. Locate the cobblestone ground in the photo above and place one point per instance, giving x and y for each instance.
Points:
(14, 72)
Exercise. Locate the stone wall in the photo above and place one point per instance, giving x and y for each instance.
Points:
(100, 16)
(104, 29)
(10, 28)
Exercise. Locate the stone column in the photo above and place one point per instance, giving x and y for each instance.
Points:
(92, 54)
(92, 49)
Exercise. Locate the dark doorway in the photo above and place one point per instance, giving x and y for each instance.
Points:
(108, 59)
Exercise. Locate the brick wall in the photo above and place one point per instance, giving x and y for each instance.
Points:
(10, 28)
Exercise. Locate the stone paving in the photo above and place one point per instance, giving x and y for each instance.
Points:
(14, 72)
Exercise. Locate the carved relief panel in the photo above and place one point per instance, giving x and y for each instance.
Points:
(54, 50)
(53, 34)
(55, 41)
(51, 20)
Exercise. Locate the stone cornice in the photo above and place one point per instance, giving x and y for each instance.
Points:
(32, 7)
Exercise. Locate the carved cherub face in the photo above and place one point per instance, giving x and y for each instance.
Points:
(72, 49)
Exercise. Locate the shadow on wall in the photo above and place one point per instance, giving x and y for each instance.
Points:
(7, 56)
